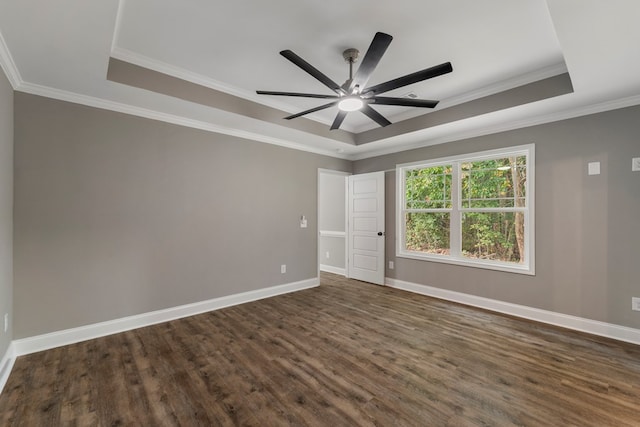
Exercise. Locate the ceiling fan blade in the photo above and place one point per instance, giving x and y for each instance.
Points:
(418, 76)
(312, 110)
(378, 47)
(338, 120)
(313, 71)
(374, 115)
(404, 102)
(302, 95)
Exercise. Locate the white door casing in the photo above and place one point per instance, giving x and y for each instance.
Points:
(366, 227)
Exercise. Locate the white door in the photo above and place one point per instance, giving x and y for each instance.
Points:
(366, 227)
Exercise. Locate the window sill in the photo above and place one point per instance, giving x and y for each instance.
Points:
(498, 266)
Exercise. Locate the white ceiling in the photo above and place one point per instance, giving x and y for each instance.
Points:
(61, 49)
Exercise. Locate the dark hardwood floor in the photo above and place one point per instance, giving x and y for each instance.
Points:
(346, 353)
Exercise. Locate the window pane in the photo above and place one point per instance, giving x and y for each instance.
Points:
(428, 232)
(498, 183)
(428, 188)
(497, 236)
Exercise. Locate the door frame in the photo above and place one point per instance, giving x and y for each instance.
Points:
(346, 212)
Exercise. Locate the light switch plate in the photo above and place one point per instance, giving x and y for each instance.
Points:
(635, 164)
(594, 168)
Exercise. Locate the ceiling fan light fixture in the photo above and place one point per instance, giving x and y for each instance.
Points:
(350, 103)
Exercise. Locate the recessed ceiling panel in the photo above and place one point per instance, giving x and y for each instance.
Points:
(236, 44)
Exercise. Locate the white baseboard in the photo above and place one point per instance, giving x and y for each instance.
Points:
(70, 336)
(621, 333)
(332, 269)
(6, 364)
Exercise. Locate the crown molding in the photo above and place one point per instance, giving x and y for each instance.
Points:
(119, 107)
(117, 25)
(504, 85)
(427, 141)
(199, 79)
(13, 75)
(569, 113)
(8, 65)
(491, 89)
(180, 73)
(171, 70)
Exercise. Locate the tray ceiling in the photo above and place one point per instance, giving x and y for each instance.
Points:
(63, 49)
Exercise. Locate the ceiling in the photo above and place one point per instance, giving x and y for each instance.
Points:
(63, 49)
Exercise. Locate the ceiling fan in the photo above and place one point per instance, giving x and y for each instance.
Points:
(354, 94)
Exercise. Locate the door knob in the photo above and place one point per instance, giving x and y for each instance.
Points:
(380, 233)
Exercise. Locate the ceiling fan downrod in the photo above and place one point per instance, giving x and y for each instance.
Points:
(351, 56)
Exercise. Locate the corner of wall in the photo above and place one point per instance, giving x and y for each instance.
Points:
(6, 213)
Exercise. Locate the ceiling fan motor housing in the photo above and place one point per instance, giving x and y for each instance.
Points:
(351, 55)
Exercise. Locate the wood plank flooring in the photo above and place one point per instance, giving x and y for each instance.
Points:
(344, 354)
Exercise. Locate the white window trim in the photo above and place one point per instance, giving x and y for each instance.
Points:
(527, 267)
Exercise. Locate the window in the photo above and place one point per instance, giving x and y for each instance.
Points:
(475, 209)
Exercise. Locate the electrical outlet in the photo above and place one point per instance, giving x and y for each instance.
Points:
(328, 255)
(6, 322)
(283, 268)
(635, 164)
(391, 266)
(635, 304)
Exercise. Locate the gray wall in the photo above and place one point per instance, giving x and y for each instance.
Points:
(331, 195)
(6, 210)
(336, 247)
(331, 217)
(117, 215)
(587, 227)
